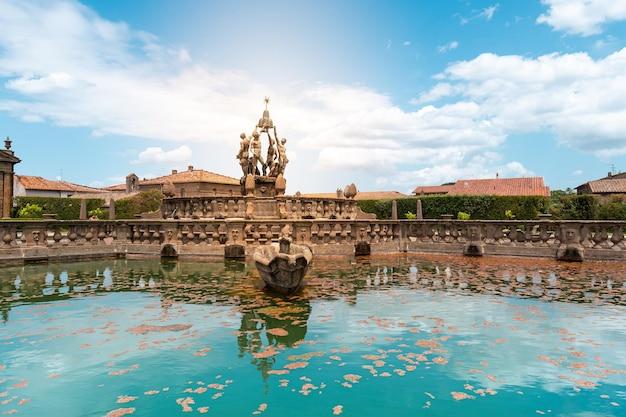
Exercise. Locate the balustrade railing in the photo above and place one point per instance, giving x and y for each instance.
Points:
(544, 237)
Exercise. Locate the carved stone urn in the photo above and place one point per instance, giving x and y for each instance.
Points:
(283, 265)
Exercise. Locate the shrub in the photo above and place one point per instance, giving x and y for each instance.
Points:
(509, 214)
(480, 207)
(144, 202)
(463, 216)
(411, 216)
(613, 210)
(575, 207)
(30, 211)
(64, 208)
(97, 213)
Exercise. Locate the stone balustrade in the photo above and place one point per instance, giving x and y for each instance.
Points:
(280, 207)
(568, 240)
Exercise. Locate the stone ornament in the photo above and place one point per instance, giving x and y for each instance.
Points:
(251, 150)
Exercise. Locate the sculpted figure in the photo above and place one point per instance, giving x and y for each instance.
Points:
(282, 156)
(271, 157)
(243, 155)
(256, 154)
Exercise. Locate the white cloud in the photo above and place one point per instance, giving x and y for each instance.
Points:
(455, 167)
(120, 81)
(580, 99)
(407, 43)
(65, 65)
(450, 46)
(158, 155)
(577, 172)
(488, 12)
(582, 17)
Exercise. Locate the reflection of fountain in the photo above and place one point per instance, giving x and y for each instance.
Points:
(284, 325)
(282, 265)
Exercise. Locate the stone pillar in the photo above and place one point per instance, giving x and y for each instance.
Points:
(394, 210)
(7, 162)
(112, 209)
(83, 209)
(418, 210)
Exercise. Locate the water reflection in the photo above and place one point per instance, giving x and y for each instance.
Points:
(399, 325)
(264, 330)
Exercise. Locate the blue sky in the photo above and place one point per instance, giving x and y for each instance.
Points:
(388, 95)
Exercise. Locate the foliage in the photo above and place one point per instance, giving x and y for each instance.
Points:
(411, 216)
(480, 207)
(615, 209)
(64, 208)
(563, 206)
(144, 202)
(575, 207)
(30, 211)
(98, 213)
(560, 193)
(463, 216)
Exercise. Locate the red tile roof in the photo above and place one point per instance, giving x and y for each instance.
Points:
(531, 186)
(433, 189)
(363, 195)
(610, 186)
(195, 175)
(42, 184)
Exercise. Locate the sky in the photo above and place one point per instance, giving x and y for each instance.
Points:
(388, 95)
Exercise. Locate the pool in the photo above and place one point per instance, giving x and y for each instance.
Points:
(398, 336)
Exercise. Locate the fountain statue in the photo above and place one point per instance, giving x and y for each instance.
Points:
(283, 265)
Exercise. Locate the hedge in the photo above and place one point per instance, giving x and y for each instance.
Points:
(575, 207)
(64, 208)
(615, 209)
(564, 207)
(478, 207)
(144, 202)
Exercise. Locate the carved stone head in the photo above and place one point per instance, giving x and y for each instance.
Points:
(571, 235)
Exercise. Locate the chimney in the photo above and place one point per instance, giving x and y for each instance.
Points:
(190, 168)
(174, 171)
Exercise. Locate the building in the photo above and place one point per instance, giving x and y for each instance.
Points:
(363, 195)
(610, 185)
(32, 186)
(7, 174)
(189, 183)
(528, 186)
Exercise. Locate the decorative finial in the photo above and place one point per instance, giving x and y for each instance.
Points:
(7, 143)
(267, 100)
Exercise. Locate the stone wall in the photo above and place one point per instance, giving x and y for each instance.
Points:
(569, 240)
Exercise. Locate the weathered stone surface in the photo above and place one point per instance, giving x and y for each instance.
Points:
(362, 249)
(283, 265)
(52, 239)
(234, 251)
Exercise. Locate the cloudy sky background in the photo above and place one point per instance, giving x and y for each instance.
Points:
(386, 95)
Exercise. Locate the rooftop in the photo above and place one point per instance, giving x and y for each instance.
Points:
(363, 195)
(607, 186)
(42, 184)
(525, 186)
(188, 176)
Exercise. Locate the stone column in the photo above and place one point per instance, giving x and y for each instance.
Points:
(83, 209)
(112, 209)
(418, 210)
(394, 210)
(7, 165)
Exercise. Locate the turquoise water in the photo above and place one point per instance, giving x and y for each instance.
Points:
(397, 336)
